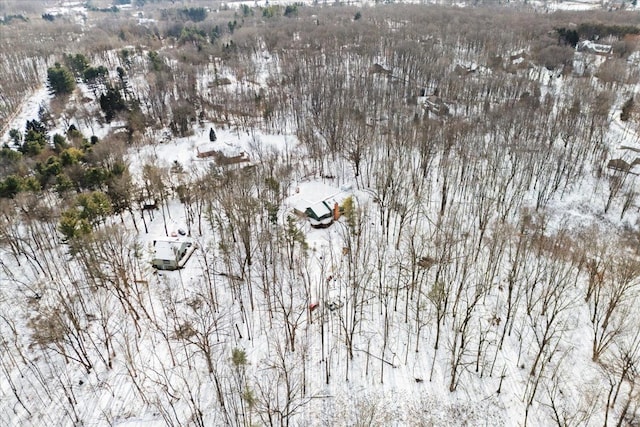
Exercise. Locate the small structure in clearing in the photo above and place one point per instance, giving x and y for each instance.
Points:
(148, 204)
(318, 202)
(171, 253)
(223, 156)
(321, 215)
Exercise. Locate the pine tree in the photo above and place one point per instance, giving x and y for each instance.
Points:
(60, 79)
(349, 212)
(78, 63)
(35, 138)
(111, 103)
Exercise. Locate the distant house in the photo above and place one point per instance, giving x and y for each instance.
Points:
(169, 252)
(591, 47)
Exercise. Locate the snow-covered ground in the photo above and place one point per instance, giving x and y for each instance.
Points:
(359, 305)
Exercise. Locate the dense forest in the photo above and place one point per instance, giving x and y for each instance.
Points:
(484, 269)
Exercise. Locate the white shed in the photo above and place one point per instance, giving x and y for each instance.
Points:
(169, 252)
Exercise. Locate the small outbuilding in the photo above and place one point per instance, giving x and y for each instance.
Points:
(168, 253)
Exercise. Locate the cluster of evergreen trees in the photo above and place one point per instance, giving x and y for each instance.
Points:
(94, 186)
(62, 81)
(594, 31)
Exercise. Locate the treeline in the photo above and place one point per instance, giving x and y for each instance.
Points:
(595, 31)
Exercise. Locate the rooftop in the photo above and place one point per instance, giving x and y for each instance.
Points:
(167, 248)
(320, 210)
(311, 193)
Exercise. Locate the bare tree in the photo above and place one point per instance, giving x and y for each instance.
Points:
(610, 302)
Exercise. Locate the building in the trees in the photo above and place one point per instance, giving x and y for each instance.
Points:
(320, 214)
(318, 202)
(591, 47)
(170, 254)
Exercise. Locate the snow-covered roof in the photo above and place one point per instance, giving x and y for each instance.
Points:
(309, 193)
(320, 209)
(587, 45)
(167, 248)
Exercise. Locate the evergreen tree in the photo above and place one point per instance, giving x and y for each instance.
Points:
(246, 10)
(78, 63)
(14, 184)
(72, 225)
(95, 76)
(156, 61)
(215, 34)
(111, 103)
(88, 211)
(34, 141)
(36, 126)
(9, 157)
(15, 136)
(349, 212)
(195, 14)
(212, 135)
(291, 10)
(10, 186)
(59, 142)
(60, 80)
(35, 138)
(568, 37)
